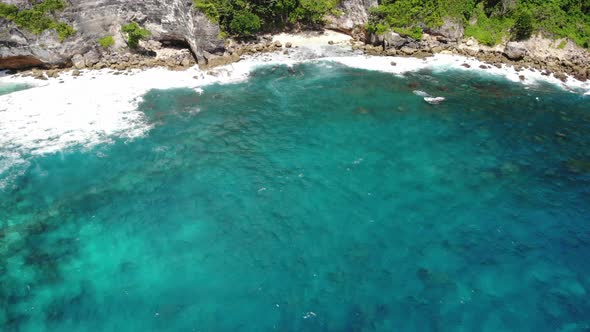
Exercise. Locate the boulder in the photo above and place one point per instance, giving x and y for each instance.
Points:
(218, 60)
(376, 39)
(288, 45)
(514, 51)
(560, 76)
(392, 39)
(91, 58)
(408, 50)
(78, 61)
(451, 29)
(185, 62)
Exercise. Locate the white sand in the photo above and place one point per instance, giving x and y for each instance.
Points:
(308, 39)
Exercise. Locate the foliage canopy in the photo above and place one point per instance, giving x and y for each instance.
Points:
(247, 17)
(489, 21)
(134, 34)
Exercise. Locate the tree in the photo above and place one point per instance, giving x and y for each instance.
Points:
(245, 23)
(134, 33)
(523, 27)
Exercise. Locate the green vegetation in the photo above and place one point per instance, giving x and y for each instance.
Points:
(488, 21)
(106, 42)
(523, 27)
(488, 30)
(245, 23)
(38, 18)
(134, 34)
(244, 18)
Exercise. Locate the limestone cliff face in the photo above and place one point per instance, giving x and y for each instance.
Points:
(167, 20)
(355, 14)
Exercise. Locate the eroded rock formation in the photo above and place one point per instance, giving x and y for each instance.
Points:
(167, 20)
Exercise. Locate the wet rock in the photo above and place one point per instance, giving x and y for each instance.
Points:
(52, 73)
(217, 60)
(580, 73)
(278, 44)
(373, 50)
(288, 45)
(408, 50)
(560, 76)
(466, 65)
(522, 78)
(436, 49)
(75, 72)
(391, 52)
(331, 42)
(393, 63)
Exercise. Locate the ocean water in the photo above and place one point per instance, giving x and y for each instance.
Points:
(315, 197)
(6, 88)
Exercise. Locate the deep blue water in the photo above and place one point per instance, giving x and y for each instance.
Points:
(312, 198)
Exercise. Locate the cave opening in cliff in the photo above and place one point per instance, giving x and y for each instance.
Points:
(179, 44)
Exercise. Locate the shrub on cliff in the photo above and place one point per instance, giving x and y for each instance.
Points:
(38, 18)
(246, 17)
(134, 34)
(106, 42)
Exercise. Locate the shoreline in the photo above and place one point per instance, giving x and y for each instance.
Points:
(96, 106)
(290, 47)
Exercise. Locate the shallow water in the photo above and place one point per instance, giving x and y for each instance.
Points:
(312, 198)
(6, 88)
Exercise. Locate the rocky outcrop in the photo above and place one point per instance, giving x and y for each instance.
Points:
(167, 20)
(354, 15)
(451, 29)
(544, 54)
(515, 51)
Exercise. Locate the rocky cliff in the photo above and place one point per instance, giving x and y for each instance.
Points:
(173, 21)
(354, 15)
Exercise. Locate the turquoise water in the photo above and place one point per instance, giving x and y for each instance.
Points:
(13, 87)
(312, 198)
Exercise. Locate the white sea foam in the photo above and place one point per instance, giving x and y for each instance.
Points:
(446, 62)
(99, 105)
(89, 109)
(434, 100)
